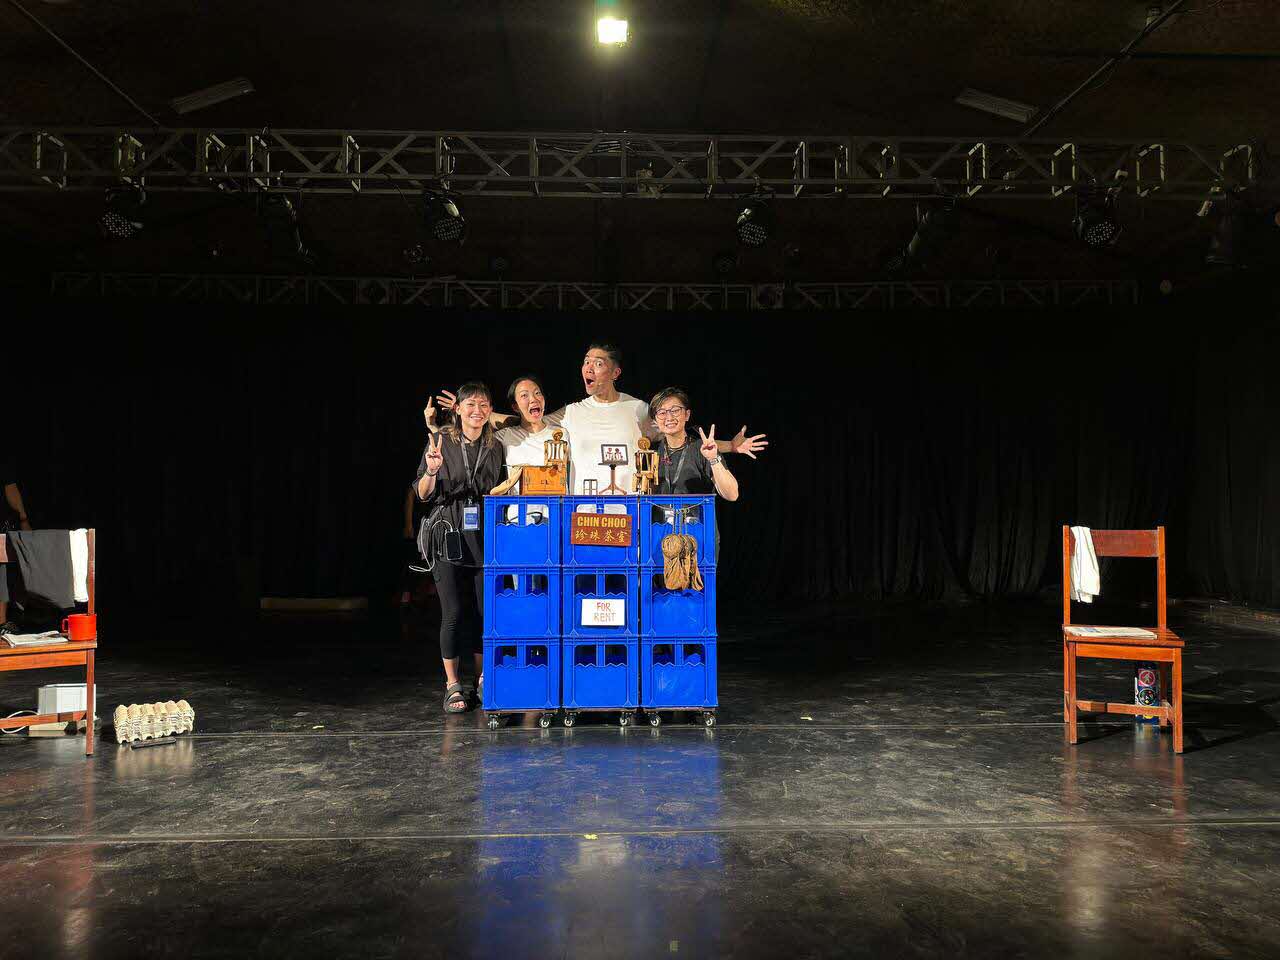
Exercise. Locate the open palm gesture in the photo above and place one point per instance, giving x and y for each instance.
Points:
(748, 445)
(447, 400)
(434, 457)
(708, 448)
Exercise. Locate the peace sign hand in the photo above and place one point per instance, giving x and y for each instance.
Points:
(434, 458)
(708, 448)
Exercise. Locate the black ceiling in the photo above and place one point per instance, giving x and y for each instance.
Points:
(787, 66)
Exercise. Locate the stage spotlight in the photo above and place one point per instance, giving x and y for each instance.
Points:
(122, 218)
(282, 219)
(1095, 221)
(755, 223)
(611, 30)
(927, 242)
(1243, 235)
(444, 220)
(726, 261)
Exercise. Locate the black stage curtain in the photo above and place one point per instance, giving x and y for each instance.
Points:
(932, 455)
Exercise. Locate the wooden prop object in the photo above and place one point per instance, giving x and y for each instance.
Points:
(551, 479)
(645, 480)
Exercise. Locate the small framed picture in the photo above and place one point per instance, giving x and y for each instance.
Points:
(613, 453)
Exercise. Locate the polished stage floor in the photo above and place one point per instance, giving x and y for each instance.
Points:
(888, 783)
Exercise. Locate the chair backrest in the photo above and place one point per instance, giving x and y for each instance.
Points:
(1119, 543)
(93, 565)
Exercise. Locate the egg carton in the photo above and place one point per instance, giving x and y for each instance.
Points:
(149, 721)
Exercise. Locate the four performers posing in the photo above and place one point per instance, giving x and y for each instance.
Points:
(472, 454)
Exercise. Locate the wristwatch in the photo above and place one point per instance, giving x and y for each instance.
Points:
(717, 461)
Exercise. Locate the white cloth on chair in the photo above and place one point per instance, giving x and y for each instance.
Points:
(80, 565)
(1086, 581)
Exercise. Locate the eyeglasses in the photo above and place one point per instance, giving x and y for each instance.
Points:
(669, 413)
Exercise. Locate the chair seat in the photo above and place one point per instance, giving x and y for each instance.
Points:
(1164, 637)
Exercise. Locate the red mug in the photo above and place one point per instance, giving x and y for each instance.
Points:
(81, 626)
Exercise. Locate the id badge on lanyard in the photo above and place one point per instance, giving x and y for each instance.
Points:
(471, 509)
(470, 516)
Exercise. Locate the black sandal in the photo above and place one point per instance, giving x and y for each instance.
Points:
(453, 695)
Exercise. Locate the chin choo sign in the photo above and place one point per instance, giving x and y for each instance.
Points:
(601, 530)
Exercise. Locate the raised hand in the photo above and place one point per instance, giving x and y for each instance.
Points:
(708, 448)
(748, 445)
(434, 457)
(446, 400)
(429, 414)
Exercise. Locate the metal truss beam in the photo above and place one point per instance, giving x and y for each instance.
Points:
(607, 165)
(451, 293)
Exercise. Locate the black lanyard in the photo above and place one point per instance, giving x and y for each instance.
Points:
(467, 471)
(673, 475)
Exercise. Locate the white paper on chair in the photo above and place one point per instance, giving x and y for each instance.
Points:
(1112, 632)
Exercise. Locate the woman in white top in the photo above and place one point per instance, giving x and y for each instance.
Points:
(523, 443)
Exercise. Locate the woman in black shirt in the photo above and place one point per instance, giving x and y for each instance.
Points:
(686, 467)
(460, 465)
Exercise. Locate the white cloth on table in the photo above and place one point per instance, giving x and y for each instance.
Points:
(80, 565)
(1086, 580)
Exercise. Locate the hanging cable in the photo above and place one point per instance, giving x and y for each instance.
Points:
(87, 65)
(1111, 64)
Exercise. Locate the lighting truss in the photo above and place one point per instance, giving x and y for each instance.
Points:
(452, 293)
(606, 165)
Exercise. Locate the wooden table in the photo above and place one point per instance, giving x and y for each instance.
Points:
(70, 654)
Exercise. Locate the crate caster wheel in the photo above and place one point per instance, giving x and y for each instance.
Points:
(493, 722)
(655, 720)
(544, 721)
(709, 719)
(624, 720)
(570, 719)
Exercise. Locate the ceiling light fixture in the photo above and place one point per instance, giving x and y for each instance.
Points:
(444, 220)
(122, 218)
(999, 106)
(218, 93)
(755, 222)
(611, 30)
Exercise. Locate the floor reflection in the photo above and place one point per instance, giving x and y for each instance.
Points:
(589, 893)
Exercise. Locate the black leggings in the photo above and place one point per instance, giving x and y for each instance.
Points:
(461, 593)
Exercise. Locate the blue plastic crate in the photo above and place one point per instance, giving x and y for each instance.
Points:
(590, 586)
(677, 613)
(521, 603)
(522, 531)
(678, 672)
(699, 521)
(522, 674)
(600, 674)
(602, 556)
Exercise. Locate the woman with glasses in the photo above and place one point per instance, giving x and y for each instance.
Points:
(686, 467)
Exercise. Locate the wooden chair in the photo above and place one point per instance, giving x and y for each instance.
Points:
(1164, 648)
(70, 654)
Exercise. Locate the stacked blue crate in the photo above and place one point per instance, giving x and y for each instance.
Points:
(600, 614)
(522, 598)
(678, 656)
